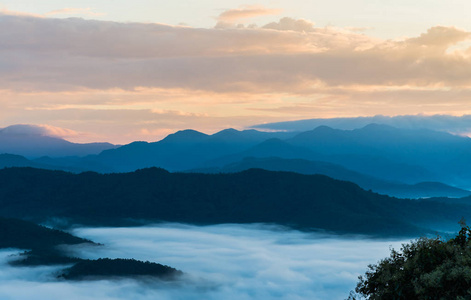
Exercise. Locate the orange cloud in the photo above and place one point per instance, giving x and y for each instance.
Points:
(73, 11)
(246, 12)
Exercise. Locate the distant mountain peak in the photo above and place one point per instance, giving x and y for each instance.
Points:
(323, 129)
(187, 135)
(229, 132)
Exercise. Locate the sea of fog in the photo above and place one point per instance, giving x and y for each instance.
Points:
(220, 262)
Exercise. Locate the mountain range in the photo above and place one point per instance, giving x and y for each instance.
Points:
(399, 162)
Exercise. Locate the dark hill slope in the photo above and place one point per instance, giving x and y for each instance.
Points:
(302, 166)
(302, 201)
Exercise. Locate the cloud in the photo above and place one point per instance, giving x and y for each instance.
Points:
(7, 12)
(291, 24)
(232, 16)
(440, 36)
(452, 124)
(241, 261)
(64, 11)
(60, 132)
(41, 130)
(69, 54)
(73, 11)
(292, 57)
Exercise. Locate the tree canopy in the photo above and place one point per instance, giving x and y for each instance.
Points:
(428, 268)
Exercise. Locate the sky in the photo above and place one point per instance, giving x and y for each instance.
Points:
(120, 71)
(233, 262)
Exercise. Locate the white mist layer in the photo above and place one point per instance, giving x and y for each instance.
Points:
(220, 262)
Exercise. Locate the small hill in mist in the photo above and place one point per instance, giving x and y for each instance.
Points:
(115, 268)
(40, 242)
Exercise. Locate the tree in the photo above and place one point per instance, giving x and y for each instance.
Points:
(428, 268)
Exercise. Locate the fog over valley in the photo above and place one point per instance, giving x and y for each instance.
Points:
(219, 262)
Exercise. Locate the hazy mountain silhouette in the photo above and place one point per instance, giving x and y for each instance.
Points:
(11, 160)
(429, 152)
(183, 150)
(381, 151)
(32, 142)
(69, 164)
(420, 190)
(74, 164)
(253, 196)
(372, 165)
(408, 146)
(269, 148)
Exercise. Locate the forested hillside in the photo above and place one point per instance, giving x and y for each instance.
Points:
(301, 201)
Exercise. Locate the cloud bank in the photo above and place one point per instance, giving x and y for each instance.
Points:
(230, 17)
(453, 124)
(290, 56)
(39, 130)
(220, 262)
(245, 261)
(81, 74)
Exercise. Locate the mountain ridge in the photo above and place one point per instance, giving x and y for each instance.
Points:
(254, 196)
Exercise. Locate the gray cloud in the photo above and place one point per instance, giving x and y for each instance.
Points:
(291, 24)
(292, 57)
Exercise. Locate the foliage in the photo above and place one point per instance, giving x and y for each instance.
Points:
(428, 268)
